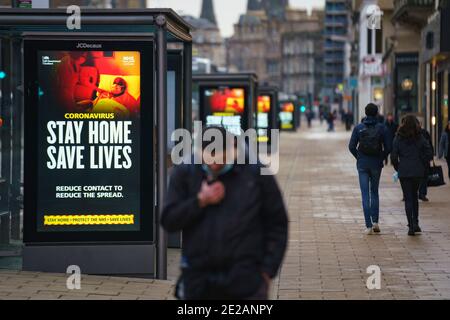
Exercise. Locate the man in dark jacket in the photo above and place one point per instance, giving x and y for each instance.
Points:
(370, 145)
(391, 129)
(234, 225)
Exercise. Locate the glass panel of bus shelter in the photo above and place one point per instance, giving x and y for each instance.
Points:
(11, 154)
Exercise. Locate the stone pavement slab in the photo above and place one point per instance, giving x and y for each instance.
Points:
(45, 286)
(328, 253)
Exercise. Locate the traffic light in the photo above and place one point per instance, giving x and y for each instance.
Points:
(303, 109)
(2, 75)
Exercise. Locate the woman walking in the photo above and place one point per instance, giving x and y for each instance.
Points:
(410, 155)
(444, 145)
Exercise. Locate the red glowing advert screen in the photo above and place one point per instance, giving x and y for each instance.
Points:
(84, 118)
(94, 81)
(224, 106)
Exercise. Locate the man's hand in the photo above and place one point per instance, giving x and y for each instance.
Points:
(211, 194)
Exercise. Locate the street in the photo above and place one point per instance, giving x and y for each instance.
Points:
(328, 253)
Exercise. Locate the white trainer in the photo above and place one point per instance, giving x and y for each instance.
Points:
(368, 231)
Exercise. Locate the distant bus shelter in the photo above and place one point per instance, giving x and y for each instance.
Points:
(288, 115)
(86, 115)
(228, 100)
(267, 112)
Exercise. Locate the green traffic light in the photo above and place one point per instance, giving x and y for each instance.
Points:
(302, 109)
(2, 74)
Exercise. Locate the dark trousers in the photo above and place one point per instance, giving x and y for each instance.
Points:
(423, 189)
(410, 187)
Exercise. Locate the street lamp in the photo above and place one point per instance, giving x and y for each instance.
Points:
(407, 86)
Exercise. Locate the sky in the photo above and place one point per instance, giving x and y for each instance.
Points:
(227, 11)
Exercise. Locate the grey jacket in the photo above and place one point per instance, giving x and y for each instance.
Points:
(443, 146)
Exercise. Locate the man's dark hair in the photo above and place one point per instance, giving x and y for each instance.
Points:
(371, 110)
(218, 130)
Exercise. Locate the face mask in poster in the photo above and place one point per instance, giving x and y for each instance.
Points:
(89, 134)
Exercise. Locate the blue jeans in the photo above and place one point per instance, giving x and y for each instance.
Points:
(369, 181)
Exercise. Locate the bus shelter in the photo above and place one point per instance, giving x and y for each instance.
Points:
(288, 115)
(228, 100)
(85, 118)
(267, 112)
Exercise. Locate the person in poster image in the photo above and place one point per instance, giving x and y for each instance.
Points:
(234, 225)
(68, 75)
(120, 94)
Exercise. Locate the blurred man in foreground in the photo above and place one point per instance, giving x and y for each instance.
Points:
(234, 225)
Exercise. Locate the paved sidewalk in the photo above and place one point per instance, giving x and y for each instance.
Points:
(16, 285)
(328, 253)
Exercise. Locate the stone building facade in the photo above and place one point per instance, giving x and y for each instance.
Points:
(264, 41)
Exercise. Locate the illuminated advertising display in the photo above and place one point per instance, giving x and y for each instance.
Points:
(225, 107)
(86, 110)
(264, 107)
(287, 120)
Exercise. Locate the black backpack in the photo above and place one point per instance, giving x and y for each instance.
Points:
(370, 141)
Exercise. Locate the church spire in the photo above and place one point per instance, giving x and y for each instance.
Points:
(275, 8)
(208, 11)
(254, 5)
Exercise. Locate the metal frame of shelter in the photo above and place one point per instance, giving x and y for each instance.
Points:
(163, 26)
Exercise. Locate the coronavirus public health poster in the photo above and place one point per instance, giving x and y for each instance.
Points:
(88, 133)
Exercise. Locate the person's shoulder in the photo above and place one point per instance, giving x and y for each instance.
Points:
(253, 168)
(423, 139)
(184, 168)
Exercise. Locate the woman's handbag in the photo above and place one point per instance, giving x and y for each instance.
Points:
(435, 176)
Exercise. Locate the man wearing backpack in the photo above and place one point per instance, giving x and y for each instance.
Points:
(370, 145)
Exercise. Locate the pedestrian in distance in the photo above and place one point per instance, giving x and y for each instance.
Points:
(370, 145)
(348, 120)
(321, 114)
(391, 127)
(331, 118)
(234, 225)
(444, 146)
(411, 153)
(309, 117)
